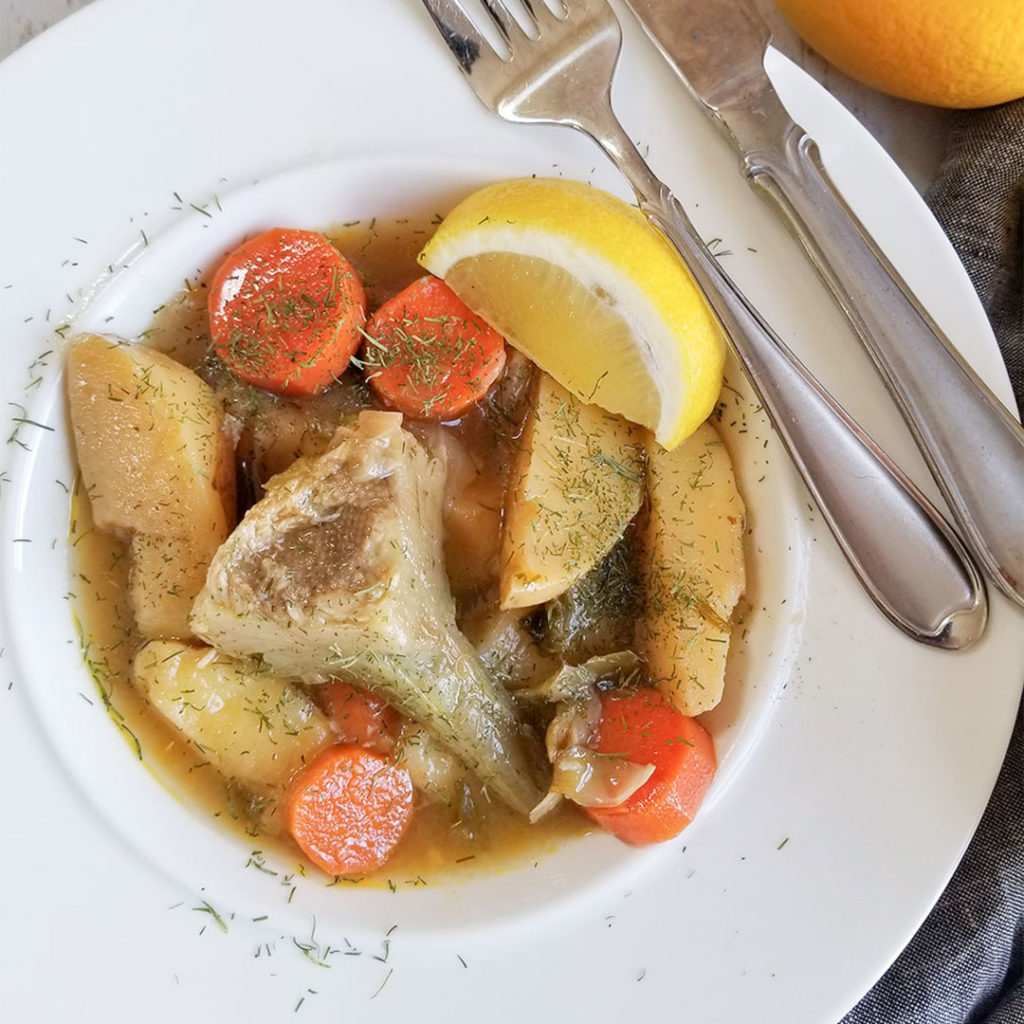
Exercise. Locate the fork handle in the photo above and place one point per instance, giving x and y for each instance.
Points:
(973, 446)
(908, 559)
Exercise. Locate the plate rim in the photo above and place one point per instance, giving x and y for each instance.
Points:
(99, 12)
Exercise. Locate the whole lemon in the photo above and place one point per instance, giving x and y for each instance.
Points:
(949, 53)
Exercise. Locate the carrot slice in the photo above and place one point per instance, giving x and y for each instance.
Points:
(360, 717)
(347, 810)
(428, 355)
(287, 312)
(643, 727)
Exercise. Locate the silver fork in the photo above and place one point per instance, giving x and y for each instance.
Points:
(904, 553)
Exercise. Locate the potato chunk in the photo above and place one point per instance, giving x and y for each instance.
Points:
(256, 728)
(148, 433)
(576, 484)
(164, 577)
(158, 466)
(694, 569)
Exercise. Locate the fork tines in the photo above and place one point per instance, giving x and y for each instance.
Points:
(465, 36)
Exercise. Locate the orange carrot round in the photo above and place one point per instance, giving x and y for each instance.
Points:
(644, 728)
(360, 717)
(428, 355)
(348, 809)
(287, 312)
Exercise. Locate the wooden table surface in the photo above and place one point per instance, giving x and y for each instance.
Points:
(914, 135)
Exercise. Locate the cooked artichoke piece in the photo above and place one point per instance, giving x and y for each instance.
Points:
(597, 613)
(506, 646)
(338, 571)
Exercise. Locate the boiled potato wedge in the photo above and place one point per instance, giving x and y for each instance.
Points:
(689, 663)
(165, 576)
(150, 441)
(158, 467)
(694, 569)
(256, 728)
(437, 774)
(576, 484)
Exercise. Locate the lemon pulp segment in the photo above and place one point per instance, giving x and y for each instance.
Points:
(583, 285)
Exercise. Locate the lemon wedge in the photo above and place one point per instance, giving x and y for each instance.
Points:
(580, 282)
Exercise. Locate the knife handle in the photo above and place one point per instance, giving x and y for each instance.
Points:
(908, 559)
(972, 445)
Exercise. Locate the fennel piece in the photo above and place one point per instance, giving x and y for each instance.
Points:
(579, 771)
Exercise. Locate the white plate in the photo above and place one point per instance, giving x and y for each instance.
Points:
(855, 764)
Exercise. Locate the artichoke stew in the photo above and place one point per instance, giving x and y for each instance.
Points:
(372, 585)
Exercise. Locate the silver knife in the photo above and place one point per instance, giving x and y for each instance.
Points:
(973, 446)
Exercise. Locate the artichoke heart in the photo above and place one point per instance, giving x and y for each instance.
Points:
(338, 571)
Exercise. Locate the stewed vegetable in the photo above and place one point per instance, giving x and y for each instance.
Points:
(418, 583)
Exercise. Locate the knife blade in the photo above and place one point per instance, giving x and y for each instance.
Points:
(973, 446)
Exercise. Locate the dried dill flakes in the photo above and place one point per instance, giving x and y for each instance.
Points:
(256, 860)
(302, 998)
(380, 987)
(205, 908)
(313, 951)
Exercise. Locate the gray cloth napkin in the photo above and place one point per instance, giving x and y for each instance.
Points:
(966, 963)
